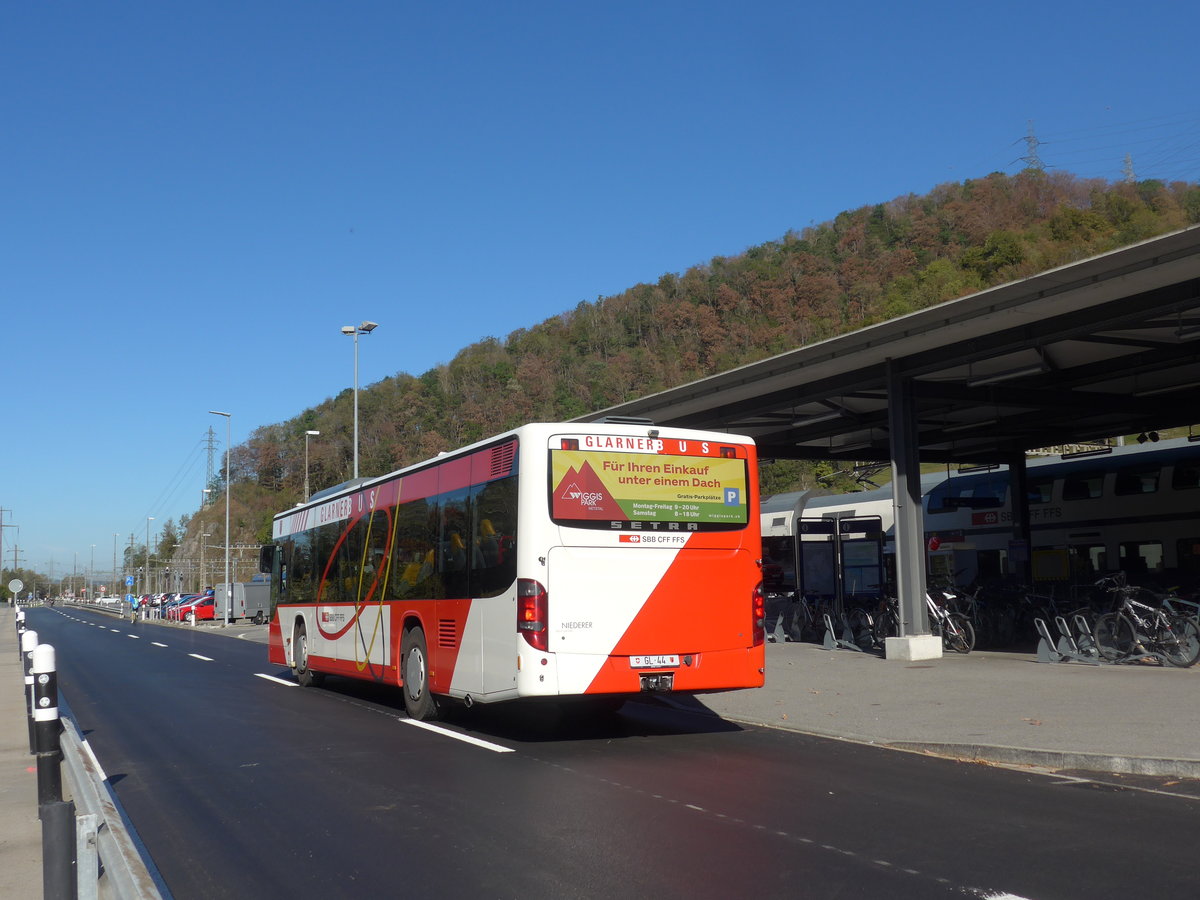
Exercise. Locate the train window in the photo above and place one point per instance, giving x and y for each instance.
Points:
(1084, 486)
(1187, 551)
(1088, 561)
(972, 492)
(1040, 492)
(1140, 557)
(992, 564)
(1136, 481)
(1186, 475)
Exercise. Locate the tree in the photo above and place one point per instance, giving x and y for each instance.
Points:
(878, 261)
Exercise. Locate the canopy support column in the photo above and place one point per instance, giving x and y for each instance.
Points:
(914, 641)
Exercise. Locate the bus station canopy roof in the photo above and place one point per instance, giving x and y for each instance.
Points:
(1106, 346)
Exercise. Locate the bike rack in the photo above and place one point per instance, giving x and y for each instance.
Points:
(1082, 648)
(845, 642)
(1144, 654)
(1085, 640)
(1066, 649)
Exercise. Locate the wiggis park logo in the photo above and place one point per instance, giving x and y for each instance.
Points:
(587, 499)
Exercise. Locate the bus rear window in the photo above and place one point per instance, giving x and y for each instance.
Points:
(619, 490)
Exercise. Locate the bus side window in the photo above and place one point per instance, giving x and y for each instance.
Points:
(413, 557)
(494, 530)
(452, 543)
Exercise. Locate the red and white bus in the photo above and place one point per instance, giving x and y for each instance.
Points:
(556, 560)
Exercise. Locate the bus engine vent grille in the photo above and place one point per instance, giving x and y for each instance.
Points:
(447, 634)
(502, 459)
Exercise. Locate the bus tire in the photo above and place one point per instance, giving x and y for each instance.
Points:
(419, 703)
(305, 676)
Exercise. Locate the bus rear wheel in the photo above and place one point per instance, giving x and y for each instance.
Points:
(419, 703)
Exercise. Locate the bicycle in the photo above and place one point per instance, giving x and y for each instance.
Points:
(886, 621)
(1135, 629)
(1181, 606)
(862, 628)
(955, 629)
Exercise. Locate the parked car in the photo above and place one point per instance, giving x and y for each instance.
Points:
(171, 606)
(200, 609)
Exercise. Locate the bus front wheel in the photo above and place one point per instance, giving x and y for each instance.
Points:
(418, 701)
(304, 675)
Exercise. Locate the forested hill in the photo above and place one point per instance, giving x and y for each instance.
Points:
(865, 266)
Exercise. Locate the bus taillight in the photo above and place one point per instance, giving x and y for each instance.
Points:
(759, 614)
(531, 613)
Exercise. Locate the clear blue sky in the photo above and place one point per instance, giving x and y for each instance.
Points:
(196, 197)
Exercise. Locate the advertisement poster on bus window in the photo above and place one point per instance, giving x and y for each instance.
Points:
(591, 485)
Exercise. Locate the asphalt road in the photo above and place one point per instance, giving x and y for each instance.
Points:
(242, 786)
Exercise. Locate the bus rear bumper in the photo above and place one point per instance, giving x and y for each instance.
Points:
(712, 670)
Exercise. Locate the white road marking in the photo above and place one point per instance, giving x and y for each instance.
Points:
(157, 644)
(198, 656)
(276, 680)
(486, 745)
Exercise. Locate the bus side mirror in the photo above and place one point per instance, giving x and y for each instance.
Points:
(266, 558)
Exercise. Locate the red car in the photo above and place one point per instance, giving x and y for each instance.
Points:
(200, 609)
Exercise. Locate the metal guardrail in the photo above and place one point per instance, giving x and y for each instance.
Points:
(110, 864)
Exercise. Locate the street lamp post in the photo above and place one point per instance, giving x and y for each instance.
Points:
(146, 578)
(203, 537)
(364, 328)
(228, 586)
(308, 434)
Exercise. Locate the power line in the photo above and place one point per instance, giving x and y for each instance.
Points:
(168, 497)
(1162, 146)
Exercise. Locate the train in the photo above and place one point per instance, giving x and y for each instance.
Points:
(1133, 508)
